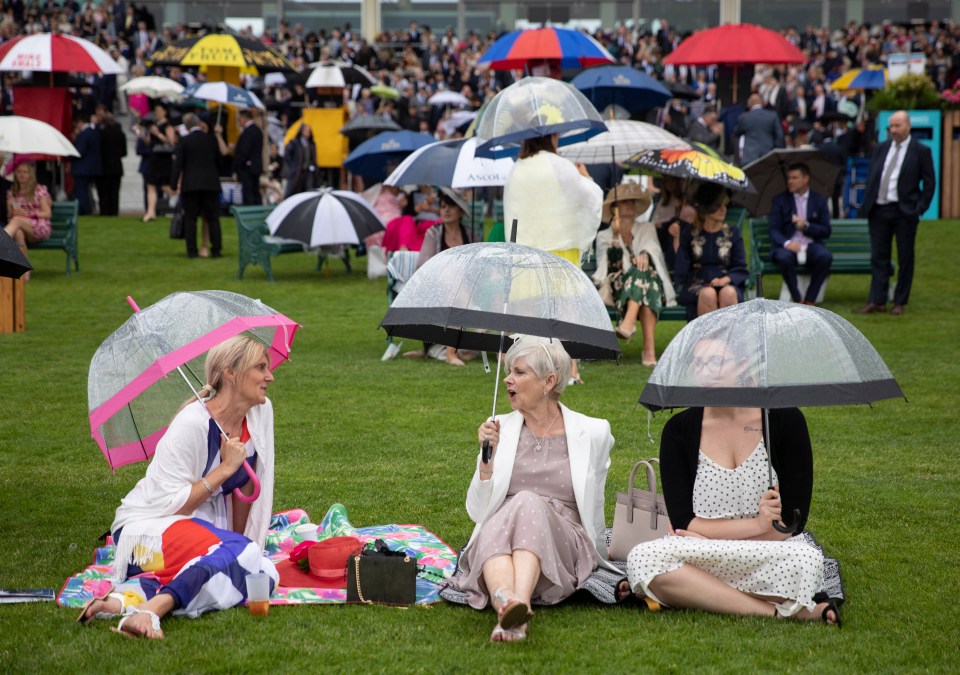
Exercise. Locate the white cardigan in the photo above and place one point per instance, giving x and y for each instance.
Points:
(181, 456)
(589, 442)
(556, 207)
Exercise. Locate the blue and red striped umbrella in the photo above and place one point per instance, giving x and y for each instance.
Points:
(521, 48)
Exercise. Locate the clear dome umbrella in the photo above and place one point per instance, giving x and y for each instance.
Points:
(783, 355)
(473, 296)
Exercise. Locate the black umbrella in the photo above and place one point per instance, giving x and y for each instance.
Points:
(13, 263)
(682, 91)
(324, 218)
(769, 176)
(362, 126)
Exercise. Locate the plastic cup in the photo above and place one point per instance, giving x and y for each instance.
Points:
(307, 532)
(802, 256)
(258, 593)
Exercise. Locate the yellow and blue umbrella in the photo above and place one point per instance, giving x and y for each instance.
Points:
(861, 78)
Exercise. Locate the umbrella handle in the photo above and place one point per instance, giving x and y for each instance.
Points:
(788, 529)
(256, 486)
(485, 456)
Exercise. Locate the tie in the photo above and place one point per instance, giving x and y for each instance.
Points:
(888, 173)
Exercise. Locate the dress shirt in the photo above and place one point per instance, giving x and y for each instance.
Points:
(891, 196)
(800, 201)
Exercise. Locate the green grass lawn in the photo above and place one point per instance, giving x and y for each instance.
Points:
(395, 442)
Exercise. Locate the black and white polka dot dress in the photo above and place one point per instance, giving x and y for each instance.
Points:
(790, 569)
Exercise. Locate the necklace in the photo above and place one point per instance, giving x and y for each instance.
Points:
(540, 439)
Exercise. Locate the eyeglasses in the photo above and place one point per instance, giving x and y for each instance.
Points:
(713, 363)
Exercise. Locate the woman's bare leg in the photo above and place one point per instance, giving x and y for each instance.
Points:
(706, 301)
(629, 321)
(648, 324)
(728, 296)
(151, 213)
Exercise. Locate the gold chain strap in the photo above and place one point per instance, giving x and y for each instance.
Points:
(356, 567)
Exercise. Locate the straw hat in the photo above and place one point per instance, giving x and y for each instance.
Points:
(626, 192)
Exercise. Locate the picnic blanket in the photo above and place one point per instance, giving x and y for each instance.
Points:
(435, 559)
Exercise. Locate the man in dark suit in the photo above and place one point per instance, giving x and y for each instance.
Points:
(900, 185)
(758, 131)
(777, 99)
(88, 166)
(113, 148)
(195, 177)
(248, 159)
(300, 163)
(799, 222)
(707, 128)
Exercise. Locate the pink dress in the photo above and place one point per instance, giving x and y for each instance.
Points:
(41, 226)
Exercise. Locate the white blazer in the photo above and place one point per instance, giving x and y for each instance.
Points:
(589, 442)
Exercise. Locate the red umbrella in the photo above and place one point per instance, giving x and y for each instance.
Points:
(733, 44)
(54, 53)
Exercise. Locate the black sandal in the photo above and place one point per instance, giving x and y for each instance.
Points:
(623, 591)
(831, 607)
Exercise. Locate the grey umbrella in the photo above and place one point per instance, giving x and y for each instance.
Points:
(792, 355)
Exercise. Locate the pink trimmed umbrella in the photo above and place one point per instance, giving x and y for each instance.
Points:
(56, 53)
(137, 375)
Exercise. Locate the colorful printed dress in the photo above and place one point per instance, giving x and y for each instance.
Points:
(41, 226)
(197, 559)
(652, 287)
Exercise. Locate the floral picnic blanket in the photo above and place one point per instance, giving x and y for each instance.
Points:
(435, 558)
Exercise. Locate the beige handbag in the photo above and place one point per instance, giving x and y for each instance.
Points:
(640, 515)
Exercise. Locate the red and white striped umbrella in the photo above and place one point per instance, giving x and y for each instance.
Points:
(54, 53)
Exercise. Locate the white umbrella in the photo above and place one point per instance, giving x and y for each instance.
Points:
(456, 120)
(338, 74)
(24, 135)
(622, 139)
(449, 98)
(324, 218)
(224, 92)
(451, 163)
(153, 86)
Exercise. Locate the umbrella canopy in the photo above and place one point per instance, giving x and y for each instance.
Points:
(130, 396)
(535, 106)
(385, 91)
(690, 164)
(338, 74)
(861, 78)
(55, 53)
(732, 44)
(769, 176)
(564, 46)
(153, 86)
(453, 164)
(794, 355)
(622, 140)
(220, 49)
(363, 125)
(324, 218)
(373, 158)
(23, 135)
(224, 92)
(621, 85)
(682, 91)
(502, 287)
(13, 263)
(449, 98)
(458, 119)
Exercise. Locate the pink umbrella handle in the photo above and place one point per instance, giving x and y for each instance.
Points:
(256, 486)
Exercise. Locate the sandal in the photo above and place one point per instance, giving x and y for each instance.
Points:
(501, 634)
(625, 335)
(623, 591)
(511, 613)
(87, 618)
(124, 630)
(832, 606)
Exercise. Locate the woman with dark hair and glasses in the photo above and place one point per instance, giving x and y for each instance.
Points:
(711, 265)
(723, 554)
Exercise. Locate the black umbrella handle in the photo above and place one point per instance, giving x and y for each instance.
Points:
(485, 453)
(788, 529)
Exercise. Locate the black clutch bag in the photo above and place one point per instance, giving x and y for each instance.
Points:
(381, 576)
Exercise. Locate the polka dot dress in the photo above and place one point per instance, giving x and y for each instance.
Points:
(789, 572)
(540, 515)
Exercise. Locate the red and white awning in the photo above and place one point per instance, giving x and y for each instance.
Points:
(48, 52)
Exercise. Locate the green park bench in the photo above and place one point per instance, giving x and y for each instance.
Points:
(256, 245)
(849, 243)
(63, 223)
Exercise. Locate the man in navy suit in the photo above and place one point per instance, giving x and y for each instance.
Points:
(248, 159)
(196, 177)
(88, 166)
(900, 186)
(799, 222)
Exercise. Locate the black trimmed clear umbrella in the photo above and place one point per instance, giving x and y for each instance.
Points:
(473, 296)
(13, 263)
(795, 356)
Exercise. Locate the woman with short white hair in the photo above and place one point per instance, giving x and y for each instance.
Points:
(538, 503)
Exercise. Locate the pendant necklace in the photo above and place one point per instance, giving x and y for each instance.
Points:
(539, 440)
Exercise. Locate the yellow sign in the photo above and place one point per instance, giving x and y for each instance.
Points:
(332, 146)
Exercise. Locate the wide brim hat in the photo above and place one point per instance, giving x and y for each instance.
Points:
(327, 565)
(626, 192)
(457, 199)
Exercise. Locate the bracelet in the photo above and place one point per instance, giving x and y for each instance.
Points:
(206, 485)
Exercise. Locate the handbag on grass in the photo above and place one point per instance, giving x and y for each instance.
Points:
(381, 576)
(176, 224)
(640, 515)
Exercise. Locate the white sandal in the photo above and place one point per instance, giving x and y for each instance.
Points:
(154, 625)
